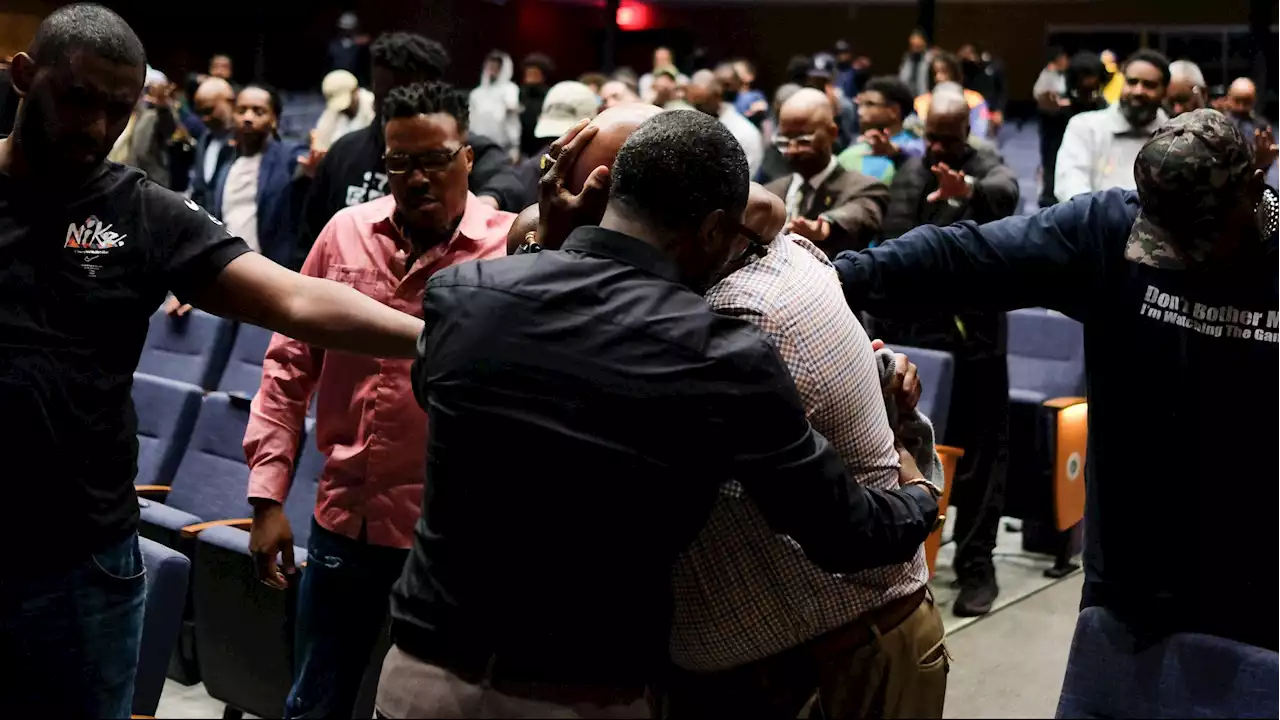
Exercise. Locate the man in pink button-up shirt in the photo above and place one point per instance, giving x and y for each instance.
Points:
(368, 423)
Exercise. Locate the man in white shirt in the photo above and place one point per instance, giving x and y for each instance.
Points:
(1099, 147)
(705, 92)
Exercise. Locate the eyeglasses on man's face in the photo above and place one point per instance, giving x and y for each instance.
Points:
(399, 163)
(800, 142)
(755, 244)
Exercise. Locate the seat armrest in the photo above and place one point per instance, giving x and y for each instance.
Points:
(1061, 403)
(949, 457)
(152, 492)
(1070, 442)
(193, 530)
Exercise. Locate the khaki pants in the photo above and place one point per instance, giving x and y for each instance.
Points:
(899, 673)
(411, 688)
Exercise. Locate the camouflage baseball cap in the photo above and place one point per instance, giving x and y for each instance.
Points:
(1189, 172)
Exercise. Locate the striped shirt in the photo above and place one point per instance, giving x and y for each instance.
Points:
(743, 593)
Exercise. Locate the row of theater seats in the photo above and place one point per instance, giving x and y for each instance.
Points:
(1048, 430)
(236, 634)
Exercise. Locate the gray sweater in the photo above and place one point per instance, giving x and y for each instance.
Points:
(915, 431)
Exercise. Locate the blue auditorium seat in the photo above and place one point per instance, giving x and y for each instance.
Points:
(166, 411)
(1048, 431)
(192, 348)
(244, 368)
(1111, 673)
(209, 485)
(936, 369)
(244, 629)
(168, 572)
(211, 480)
(1045, 356)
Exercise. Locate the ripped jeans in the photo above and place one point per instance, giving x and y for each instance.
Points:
(343, 601)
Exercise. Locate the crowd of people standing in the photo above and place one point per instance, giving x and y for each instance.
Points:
(604, 432)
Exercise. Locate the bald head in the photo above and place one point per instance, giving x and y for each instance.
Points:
(525, 223)
(616, 125)
(806, 131)
(946, 128)
(948, 102)
(810, 103)
(1242, 97)
(704, 91)
(214, 101)
(766, 214)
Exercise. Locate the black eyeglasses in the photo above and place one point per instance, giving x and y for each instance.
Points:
(755, 244)
(399, 163)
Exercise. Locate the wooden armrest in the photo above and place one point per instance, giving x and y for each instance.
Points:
(1063, 402)
(151, 491)
(949, 456)
(143, 717)
(191, 531)
(1071, 441)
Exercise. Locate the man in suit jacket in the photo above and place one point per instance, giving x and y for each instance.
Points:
(836, 209)
(955, 181)
(213, 101)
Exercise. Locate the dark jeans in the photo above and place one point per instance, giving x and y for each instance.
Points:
(342, 607)
(69, 640)
(979, 423)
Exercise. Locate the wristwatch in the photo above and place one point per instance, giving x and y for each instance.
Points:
(937, 496)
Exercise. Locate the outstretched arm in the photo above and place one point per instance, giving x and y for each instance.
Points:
(315, 311)
(1051, 259)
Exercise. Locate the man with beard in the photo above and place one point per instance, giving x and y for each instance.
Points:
(1099, 147)
(89, 249)
(367, 423)
(834, 208)
(954, 182)
(352, 172)
(1178, 279)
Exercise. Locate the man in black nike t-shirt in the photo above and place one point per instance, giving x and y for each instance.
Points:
(88, 250)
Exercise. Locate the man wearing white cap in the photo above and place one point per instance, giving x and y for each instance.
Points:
(348, 107)
(565, 104)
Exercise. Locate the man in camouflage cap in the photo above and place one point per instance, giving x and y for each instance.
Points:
(1194, 177)
(1176, 285)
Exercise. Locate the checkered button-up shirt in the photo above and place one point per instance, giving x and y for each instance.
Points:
(742, 592)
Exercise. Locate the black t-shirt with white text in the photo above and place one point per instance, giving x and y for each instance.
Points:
(80, 275)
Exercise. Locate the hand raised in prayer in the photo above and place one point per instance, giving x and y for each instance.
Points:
(560, 211)
(880, 143)
(175, 307)
(815, 231)
(311, 160)
(1265, 149)
(951, 184)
